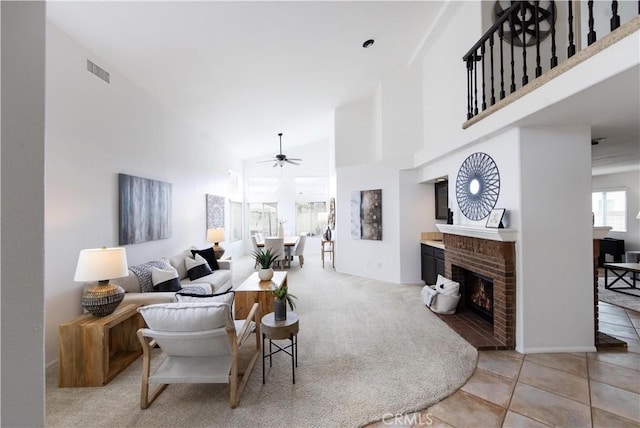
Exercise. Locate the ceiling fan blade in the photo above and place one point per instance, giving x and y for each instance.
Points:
(291, 162)
(295, 159)
(274, 165)
(265, 161)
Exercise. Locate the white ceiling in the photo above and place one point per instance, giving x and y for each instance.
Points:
(245, 71)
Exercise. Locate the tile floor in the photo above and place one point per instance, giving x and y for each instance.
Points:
(578, 390)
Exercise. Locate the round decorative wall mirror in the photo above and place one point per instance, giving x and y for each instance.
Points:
(477, 186)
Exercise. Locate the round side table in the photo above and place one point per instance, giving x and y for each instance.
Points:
(280, 330)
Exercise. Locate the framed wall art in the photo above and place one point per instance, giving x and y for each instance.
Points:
(366, 214)
(144, 209)
(215, 212)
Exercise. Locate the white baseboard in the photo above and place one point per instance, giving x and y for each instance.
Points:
(555, 350)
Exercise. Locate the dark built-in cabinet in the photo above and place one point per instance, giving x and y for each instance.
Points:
(432, 263)
(612, 246)
(442, 199)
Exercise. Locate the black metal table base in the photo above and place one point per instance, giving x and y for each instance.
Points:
(291, 350)
(620, 277)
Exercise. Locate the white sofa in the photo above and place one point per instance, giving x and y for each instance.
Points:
(218, 281)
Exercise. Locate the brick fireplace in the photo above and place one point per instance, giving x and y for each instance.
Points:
(494, 260)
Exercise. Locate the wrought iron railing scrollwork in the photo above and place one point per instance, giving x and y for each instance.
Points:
(532, 32)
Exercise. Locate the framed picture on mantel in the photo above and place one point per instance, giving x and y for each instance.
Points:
(495, 218)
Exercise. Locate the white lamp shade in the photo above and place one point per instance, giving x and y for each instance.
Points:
(215, 235)
(99, 264)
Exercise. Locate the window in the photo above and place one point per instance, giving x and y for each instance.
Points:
(610, 209)
(307, 220)
(263, 218)
(235, 220)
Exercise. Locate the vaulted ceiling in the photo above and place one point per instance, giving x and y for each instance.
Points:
(245, 71)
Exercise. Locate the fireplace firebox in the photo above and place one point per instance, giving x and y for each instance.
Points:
(478, 294)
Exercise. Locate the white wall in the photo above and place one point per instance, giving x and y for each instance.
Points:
(23, 194)
(444, 77)
(504, 150)
(94, 131)
(417, 212)
(361, 257)
(554, 250)
(401, 113)
(630, 181)
(354, 133)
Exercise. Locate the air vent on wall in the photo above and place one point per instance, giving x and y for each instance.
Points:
(98, 71)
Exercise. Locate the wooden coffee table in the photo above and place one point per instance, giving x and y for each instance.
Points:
(252, 290)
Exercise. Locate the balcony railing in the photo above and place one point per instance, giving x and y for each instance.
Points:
(528, 39)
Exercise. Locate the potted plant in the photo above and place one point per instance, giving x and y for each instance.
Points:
(265, 259)
(282, 298)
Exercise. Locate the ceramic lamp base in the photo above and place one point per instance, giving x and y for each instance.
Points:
(102, 298)
(218, 251)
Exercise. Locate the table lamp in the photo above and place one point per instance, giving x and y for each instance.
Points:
(216, 236)
(101, 265)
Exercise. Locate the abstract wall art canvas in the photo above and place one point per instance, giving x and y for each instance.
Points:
(215, 211)
(366, 214)
(144, 209)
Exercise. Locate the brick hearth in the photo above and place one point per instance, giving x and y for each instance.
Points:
(494, 260)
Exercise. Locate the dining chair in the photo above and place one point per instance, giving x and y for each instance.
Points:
(254, 243)
(277, 246)
(299, 249)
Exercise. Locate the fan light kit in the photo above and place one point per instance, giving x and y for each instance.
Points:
(368, 43)
(281, 159)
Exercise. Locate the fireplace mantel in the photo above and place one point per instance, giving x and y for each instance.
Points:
(503, 235)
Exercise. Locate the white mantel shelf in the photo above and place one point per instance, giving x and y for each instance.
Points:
(600, 232)
(504, 235)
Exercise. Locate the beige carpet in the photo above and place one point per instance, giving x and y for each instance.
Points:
(630, 299)
(366, 348)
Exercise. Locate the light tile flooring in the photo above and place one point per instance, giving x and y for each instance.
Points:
(509, 389)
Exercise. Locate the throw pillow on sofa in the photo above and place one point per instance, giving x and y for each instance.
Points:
(165, 279)
(143, 272)
(209, 255)
(197, 267)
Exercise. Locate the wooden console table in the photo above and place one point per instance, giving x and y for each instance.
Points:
(255, 291)
(93, 350)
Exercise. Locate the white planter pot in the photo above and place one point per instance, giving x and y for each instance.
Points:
(265, 274)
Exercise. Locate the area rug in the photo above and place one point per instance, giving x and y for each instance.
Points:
(367, 349)
(630, 299)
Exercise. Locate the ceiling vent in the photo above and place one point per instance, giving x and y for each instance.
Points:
(98, 71)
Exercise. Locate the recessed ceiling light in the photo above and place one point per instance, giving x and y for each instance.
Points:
(368, 43)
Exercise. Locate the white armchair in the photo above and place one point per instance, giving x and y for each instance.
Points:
(201, 345)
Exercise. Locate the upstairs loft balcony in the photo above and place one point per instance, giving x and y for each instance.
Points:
(531, 43)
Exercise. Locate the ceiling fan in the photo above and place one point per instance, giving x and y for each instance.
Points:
(281, 158)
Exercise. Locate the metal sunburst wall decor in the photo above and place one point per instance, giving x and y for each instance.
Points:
(477, 186)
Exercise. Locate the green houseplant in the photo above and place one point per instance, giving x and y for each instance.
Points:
(282, 298)
(265, 259)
